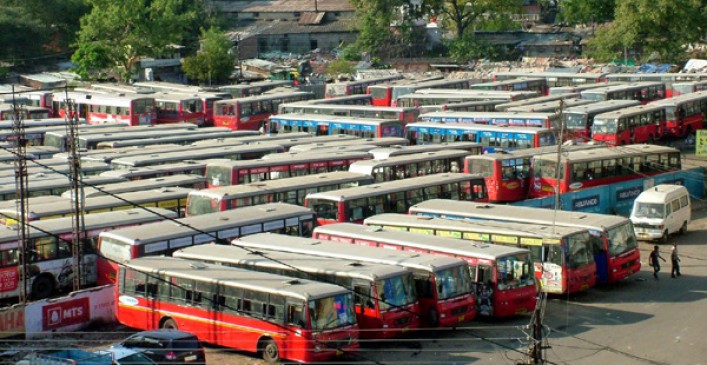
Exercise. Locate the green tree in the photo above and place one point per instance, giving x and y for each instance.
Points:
(648, 27)
(373, 21)
(586, 11)
(339, 67)
(462, 14)
(213, 62)
(130, 29)
(22, 34)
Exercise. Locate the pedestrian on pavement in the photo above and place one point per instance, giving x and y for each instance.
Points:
(653, 261)
(675, 260)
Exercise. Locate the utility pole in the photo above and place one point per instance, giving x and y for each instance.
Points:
(77, 203)
(20, 144)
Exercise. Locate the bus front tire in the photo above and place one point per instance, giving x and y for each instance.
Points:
(434, 318)
(269, 350)
(683, 229)
(169, 324)
(42, 287)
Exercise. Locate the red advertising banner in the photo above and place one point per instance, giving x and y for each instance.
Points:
(9, 279)
(65, 313)
(12, 321)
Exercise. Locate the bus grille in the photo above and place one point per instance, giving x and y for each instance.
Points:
(339, 343)
(460, 310)
(403, 321)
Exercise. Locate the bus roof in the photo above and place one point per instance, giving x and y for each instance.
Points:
(157, 169)
(102, 202)
(232, 277)
(368, 165)
(550, 106)
(488, 94)
(558, 90)
(601, 106)
(531, 152)
(608, 152)
(324, 248)
(191, 154)
(289, 158)
(59, 182)
(392, 151)
(541, 99)
(287, 261)
(282, 185)
(487, 115)
(479, 127)
(90, 221)
(550, 75)
(469, 225)
(144, 184)
(518, 214)
(331, 118)
(620, 87)
(392, 186)
(206, 223)
(631, 110)
(256, 98)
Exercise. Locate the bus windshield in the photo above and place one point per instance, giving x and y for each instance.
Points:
(219, 175)
(453, 282)
(594, 96)
(621, 239)
(605, 126)
(545, 169)
(396, 291)
(199, 205)
(514, 271)
(482, 167)
(575, 120)
(581, 250)
(331, 312)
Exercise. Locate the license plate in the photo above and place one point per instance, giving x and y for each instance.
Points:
(405, 329)
(339, 352)
(461, 318)
(190, 358)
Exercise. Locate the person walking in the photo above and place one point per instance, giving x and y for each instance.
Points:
(675, 260)
(653, 261)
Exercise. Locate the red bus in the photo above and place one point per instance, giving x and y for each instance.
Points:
(49, 250)
(563, 256)
(384, 295)
(355, 87)
(554, 79)
(600, 166)
(252, 113)
(179, 108)
(644, 92)
(507, 173)
(689, 87)
(405, 115)
(279, 166)
(130, 109)
(443, 284)
(358, 203)
(276, 316)
(163, 238)
(636, 124)
(616, 258)
(387, 94)
(685, 113)
(580, 119)
(668, 78)
(290, 190)
(524, 84)
(501, 277)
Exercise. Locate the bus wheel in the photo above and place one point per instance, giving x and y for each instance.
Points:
(42, 287)
(683, 229)
(651, 140)
(169, 324)
(271, 354)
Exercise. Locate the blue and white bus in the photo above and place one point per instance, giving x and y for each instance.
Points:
(516, 119)
(491, 137)
(318, 125)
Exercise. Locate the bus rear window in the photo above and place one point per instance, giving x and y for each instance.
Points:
(114, 250)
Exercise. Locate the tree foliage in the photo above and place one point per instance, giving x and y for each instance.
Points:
(32, 29)
(460, 15)
(130, 29)
(648, 27)
(339, 67)
(374, 19)
(586, 11)
(214, 61)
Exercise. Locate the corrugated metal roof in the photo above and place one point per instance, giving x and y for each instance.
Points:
(311, 18)
(287, 27)
(282, 6)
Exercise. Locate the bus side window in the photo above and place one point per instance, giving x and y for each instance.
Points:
(295, 315)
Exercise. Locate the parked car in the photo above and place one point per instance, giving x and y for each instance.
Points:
(112, 356)
(167, 346)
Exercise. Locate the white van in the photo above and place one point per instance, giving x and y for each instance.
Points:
(661, 211)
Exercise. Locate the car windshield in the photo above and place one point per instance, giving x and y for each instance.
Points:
(453, 282)
(649, 210)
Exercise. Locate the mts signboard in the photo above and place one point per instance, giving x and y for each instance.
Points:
(56, 315)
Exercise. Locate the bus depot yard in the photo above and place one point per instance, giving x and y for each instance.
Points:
(300, 196)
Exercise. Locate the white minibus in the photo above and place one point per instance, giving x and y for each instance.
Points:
(661, 211)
